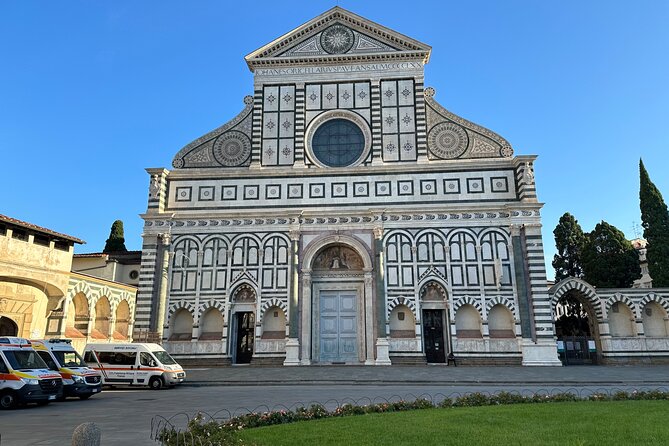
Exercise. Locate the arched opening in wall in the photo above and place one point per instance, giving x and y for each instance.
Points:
(8, 327)
(436, 340)
(211, 325)
(181, 328)
(402, 322)
(122, 321)
(621, 321)
(655, 323)
(76, 320)
(102, 317)
(500, 322)
(468, 322)
(576, 329)
(243, 330)
(274, 324)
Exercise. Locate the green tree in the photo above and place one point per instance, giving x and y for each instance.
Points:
(116, 241)
(655, 222)
(609, 259)
(569, 240)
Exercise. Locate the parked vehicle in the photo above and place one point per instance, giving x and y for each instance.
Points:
(134, 364)
(79, 380)
(24, 376)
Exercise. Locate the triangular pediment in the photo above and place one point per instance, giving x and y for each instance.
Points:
(338, 35)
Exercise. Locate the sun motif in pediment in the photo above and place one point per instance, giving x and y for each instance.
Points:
(337, 39)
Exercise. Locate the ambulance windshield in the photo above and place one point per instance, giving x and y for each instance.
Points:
(24, 360)
(164, 357)
(69, 359)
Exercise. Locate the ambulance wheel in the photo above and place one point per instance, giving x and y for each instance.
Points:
(7, 400)
(155, 383)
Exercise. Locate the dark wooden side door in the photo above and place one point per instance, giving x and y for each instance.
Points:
(245, 337)
(433, 336)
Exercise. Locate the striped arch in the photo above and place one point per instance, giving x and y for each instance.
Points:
(272, 235)
(274, 302)
(211, 303)
(211, 237)
(476, 303)
(618, 297)
(80, 287)
(491, 230)
(455, 232)
(388, 234)
(243, 283)
(400, 301)
(505, 301)
(652, 297)
(174, 306)
(181, 238)
(244, 235)
(584, 288)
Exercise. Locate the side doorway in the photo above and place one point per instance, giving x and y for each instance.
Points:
(245, 337)
(433, 336)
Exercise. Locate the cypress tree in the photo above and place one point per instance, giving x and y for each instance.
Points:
(116, 241)
(609, 259)
(655, 222)
(569, 240)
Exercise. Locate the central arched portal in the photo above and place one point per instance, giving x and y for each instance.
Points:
(337, 311)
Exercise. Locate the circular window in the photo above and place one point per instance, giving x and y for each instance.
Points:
(134, 274)
(338, 143)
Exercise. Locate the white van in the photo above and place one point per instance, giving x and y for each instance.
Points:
(134, 365)
(24, 377)
(78, 380)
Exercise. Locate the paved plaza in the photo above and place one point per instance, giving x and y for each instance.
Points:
(125, 415)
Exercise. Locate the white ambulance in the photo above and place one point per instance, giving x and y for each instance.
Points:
(78, 379)
(134, 365)
(24, 377)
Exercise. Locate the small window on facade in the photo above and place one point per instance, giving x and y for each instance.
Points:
(3, 230)
(400, 315)
(614, 307)
(62, 246)
(276, 314)
(134, 274)
(41, 240)
(19, 234)
(649, 311)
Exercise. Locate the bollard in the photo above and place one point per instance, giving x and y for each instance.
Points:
(86, 434)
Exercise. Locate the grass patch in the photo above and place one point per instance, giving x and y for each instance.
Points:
(581, 423)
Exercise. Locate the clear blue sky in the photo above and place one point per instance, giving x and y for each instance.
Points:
(91, 93)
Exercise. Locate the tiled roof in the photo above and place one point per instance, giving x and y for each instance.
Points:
(23, 224)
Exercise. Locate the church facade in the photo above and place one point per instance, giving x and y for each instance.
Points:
(345, 216)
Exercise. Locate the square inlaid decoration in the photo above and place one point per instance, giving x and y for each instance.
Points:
(339, 190)
(251, 192)
(405, 187)
(295, 191)
(273, 191)
(499, 184)
(361, 189)
(428, 187)
(474, 185)
(206, 193)
(183, 193)
(229, 193)
(382, 188)
(317, 190)
(451, 185)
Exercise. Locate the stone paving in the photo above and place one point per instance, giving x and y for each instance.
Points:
(380, 375)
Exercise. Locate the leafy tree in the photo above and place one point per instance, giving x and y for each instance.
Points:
(569, 240)
(116, 241)
(655, 222)
(609, 259)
